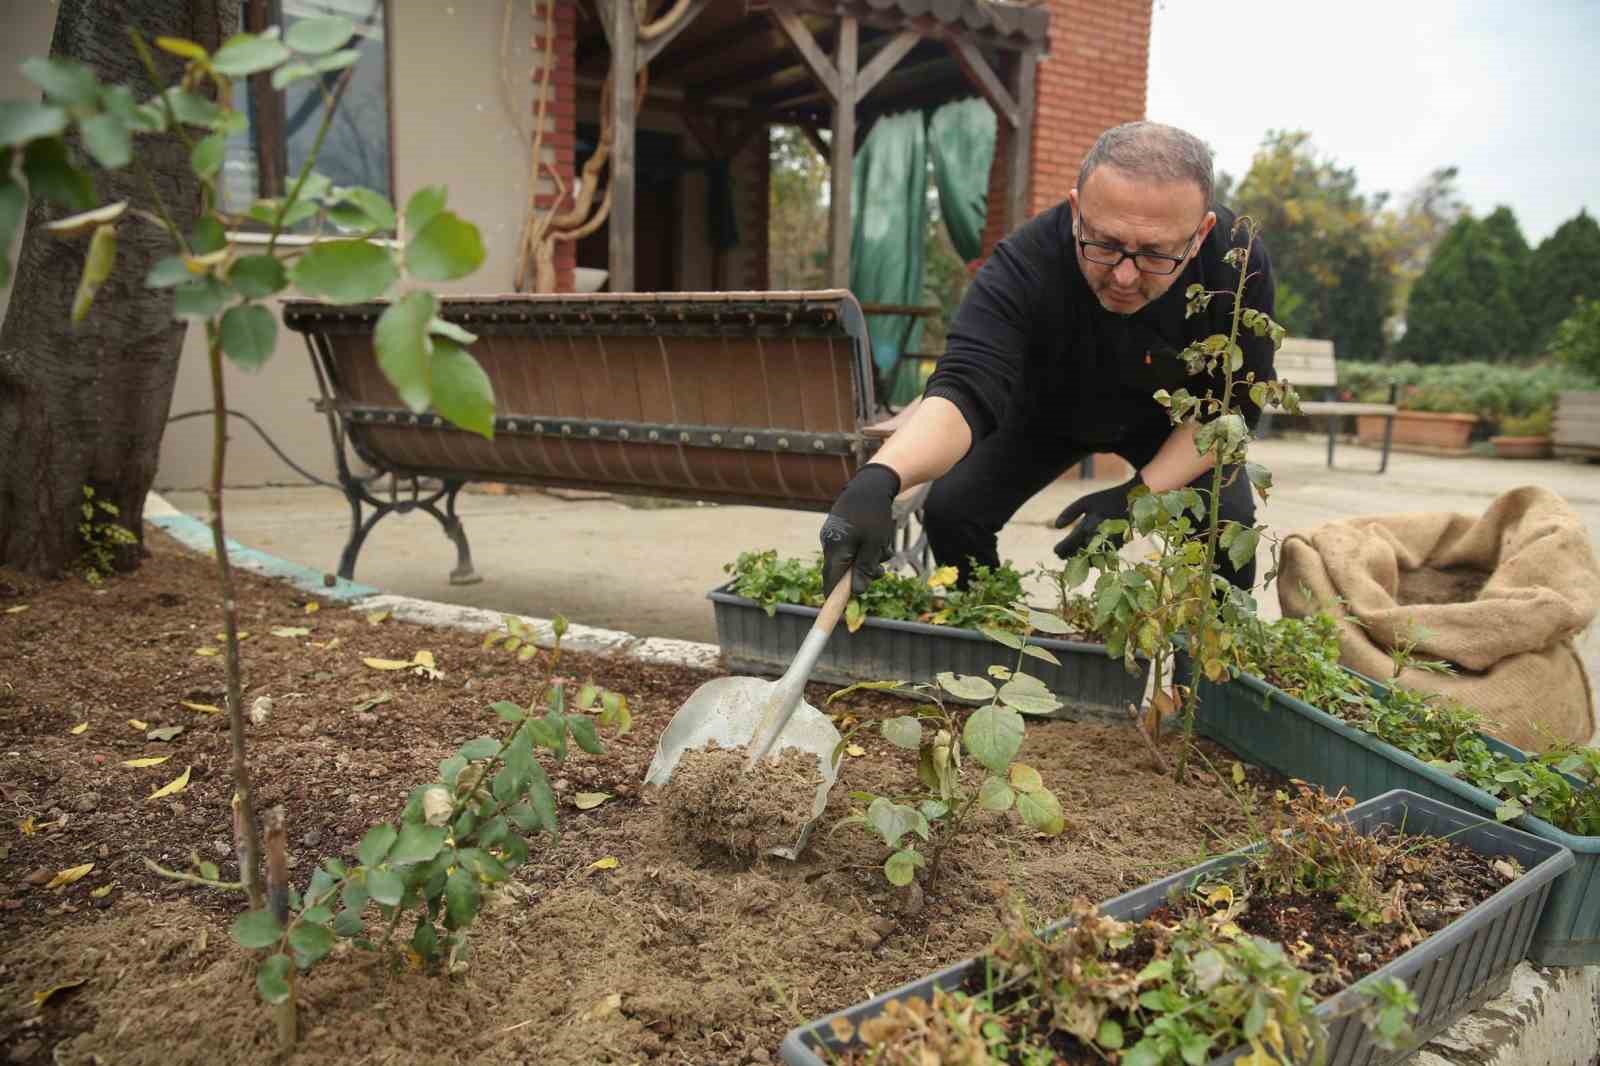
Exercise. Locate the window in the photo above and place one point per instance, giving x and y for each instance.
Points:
(263, 159)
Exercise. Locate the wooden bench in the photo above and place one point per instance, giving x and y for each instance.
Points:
(1306, 363)
(739, 398)
(1576, 432)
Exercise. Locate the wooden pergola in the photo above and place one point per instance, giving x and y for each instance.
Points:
(815, 64)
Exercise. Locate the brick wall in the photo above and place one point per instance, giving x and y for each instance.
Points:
(1094, 78)
(560, 137)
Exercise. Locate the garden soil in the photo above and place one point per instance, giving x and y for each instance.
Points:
(666, 955)
(717, 807)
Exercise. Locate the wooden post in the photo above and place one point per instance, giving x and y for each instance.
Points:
(624, 69)
(1022, 89)
(843, 151)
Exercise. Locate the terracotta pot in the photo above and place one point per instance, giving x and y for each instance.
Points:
(1424, 429)
(1521, 447)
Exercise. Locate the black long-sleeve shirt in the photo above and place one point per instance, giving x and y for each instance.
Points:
(1031, 341)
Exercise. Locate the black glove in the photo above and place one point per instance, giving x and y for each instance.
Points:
(1093, 509)
(858, 534)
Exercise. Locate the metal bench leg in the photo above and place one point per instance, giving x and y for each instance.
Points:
(463, 574)
(1388, 435)
(357, 493)
(1333, 426)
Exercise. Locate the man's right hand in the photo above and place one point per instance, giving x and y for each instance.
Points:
(858, 534)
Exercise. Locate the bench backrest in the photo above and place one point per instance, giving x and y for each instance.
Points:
(1304, 361)
(732, 397)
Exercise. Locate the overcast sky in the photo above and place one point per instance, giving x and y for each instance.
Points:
(1507, 90)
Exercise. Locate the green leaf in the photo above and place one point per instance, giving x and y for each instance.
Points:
(1077, 571)
(462, 391)
(461, 899)
(192, 110)
(995, 795)
(1042, 811)
(903, 732)
(13, 205)
(1109, 1035)
(1027, 694)
(1040, 653)
(345, 271)
(417, 843)
(201, 298)
(405, 352)
(1002, 636)
(256, 929)
(933, 809)
(448, 247)
(508, 712)
(257, 276)
(247, 53)
(900, 868)
(266, 212)
(205, 158)
(64, 81)
(181, 47)
(614, 711)
(51, 176)
(965, 686)
(385, 886)
(208, 236)
(21, 122)
(440, 328)
(167, 273)
(517, 769)
(272, 979)
(365, 210)
(348, 923)
(107, 138)
(1243, 548)
(1025, 778)
(423, 205)
(1045, 622)
(893, 820)
(337, 61)
(483, 865)
(374, 847)
(315, 36)
(248, 334)
(424, 939)
(97, 267)
(310, 943)
(1509, 810)
(542, 799)
(583, 732)
(479, 748)
(290, 73)
(993, 735)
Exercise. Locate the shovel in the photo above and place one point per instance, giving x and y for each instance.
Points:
(763, 716)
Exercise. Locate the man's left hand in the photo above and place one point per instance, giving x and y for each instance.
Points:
(1090, 511)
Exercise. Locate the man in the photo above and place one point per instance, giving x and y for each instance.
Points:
(1073, 323)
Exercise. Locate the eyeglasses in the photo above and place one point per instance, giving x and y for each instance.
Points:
(1112, 255)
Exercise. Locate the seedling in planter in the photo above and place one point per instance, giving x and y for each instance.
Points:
(1149, 607)
(991, 737)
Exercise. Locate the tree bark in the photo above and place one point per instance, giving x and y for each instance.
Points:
(87, 405)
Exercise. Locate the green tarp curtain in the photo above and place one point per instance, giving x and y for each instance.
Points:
(961, 138)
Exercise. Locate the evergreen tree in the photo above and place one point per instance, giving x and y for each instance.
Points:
(1466, 304)
(1562, 270)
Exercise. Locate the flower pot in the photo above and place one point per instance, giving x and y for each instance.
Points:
(1267, 726)
(1521, 447)
(1451, 972)
(1088, 681)
(1419, 429)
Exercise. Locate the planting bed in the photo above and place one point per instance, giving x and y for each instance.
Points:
(674, 954)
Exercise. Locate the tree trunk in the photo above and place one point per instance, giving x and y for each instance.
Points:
(87, 405)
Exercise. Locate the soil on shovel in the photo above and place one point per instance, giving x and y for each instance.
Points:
(717, 807)
(661, 956)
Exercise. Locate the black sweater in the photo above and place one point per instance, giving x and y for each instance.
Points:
(1031, 341)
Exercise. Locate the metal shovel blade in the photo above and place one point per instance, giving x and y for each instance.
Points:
(728, 711)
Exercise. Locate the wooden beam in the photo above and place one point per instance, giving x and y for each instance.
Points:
(648, 50)
(624, 89)
(1021, 162)
(745, 48)
(816, 139)
(842, 166)
(826, 73)
(982, 75)
(889, 55)
(913, 74)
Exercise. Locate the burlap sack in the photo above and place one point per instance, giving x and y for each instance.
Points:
(1500, 597)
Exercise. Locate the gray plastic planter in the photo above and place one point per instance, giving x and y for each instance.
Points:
(1452, 972)
(1268, 727)
(1087, 681)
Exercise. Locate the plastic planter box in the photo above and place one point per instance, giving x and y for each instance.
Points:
(1453, 971)
(1268, 727)
(1087, 682)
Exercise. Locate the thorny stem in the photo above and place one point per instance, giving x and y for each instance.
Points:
(149, 63)
(330, 102)
(250, 850)
(161, 206)
(946, 837)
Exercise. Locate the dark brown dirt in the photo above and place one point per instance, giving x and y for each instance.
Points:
(663, 958)
(716, 807)
(1428, 585)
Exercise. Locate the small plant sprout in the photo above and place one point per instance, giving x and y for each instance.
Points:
(101, 535)
(946, 751)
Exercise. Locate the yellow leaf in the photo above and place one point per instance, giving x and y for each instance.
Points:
(27, 826)
(1229, 931)
(1302, 950)
(589, 800)
(610, 1005)
(203, 708)
(1238, 773)
(18, 609)
(423, 658)
(139, 764)
(387, 664)
(69, 875)
(208, 651)
(79, 729)
(855, 749)
(313, 607)
(290, 631)
(376, 617)
(41, 998)
(327, 645)
(1221, 894)
(138, 724)
(173, 787)
(944, 576)
(608, 863)
(103, 891)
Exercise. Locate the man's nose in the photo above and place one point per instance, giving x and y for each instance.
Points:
(1125, 274)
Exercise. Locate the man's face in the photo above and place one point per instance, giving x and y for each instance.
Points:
(1136, 215)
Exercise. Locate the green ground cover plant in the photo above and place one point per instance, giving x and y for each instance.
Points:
(1495, 391)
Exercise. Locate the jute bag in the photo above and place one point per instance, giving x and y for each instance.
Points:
(1500, 597)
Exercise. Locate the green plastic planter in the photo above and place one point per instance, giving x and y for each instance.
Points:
(1266, 726)
(1088, 681)
(1451, 972)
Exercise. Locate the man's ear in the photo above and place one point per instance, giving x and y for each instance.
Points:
(1072, 198)
(1205, 227)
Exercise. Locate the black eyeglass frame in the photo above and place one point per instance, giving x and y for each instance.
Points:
(1122, 253)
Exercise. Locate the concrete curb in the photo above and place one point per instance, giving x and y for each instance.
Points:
(1545, 1018)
